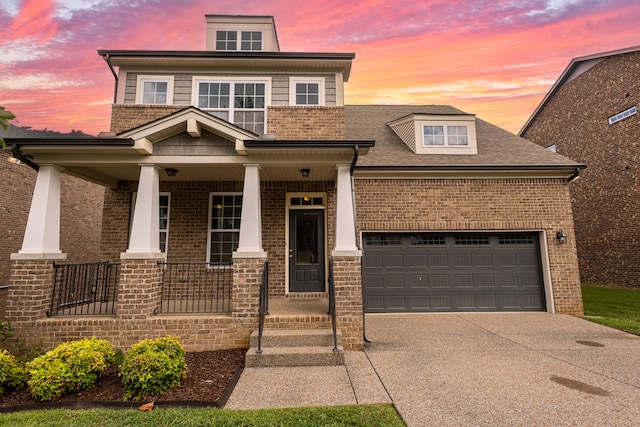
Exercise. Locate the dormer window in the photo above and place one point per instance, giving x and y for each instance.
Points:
(437, 134)
(249, 40)
(445, 135)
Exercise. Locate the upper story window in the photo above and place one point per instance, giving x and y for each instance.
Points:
(243, 103)
(306, 91)
(155, 90)
(445, 135)
(228, 40)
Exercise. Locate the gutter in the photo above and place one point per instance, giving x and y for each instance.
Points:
(107, 58)
(15, 152)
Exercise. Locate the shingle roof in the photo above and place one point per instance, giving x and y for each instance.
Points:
(496, 147)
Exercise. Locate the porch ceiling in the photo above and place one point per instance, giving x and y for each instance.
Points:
(110, 174)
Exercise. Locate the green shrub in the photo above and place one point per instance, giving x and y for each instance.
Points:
(70, 367)
(151, 367)
(12, 374)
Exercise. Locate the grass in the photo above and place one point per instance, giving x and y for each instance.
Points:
(617, 308)
(362, 415)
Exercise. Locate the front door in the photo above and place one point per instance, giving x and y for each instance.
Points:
(306, 250)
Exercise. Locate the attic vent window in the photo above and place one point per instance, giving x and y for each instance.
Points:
(626, 113)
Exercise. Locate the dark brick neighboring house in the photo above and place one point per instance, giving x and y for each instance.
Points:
(80, 206)
(590, 115)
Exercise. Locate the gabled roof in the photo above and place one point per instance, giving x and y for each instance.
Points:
(498, 149)
(576, 67)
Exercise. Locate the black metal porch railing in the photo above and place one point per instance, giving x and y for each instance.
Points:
(263, 303)
(87, 289)
(332, 306)
(196, 287)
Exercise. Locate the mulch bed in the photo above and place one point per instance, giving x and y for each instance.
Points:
(211, 376)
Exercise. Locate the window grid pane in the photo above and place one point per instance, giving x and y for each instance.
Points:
(307, 94)
(154, 92)
(457, 135)
(433, 135)
(251, 40)
(226, 40)
(226, 211)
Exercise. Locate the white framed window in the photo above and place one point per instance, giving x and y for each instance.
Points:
(444, 135)
(155, 90)
(249, 40)
(306, 91)
(241, 102)
(165, 202)
(225, 210)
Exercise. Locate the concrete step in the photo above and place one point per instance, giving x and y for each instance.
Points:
(295, 347)
(295, 337)
(294, 356)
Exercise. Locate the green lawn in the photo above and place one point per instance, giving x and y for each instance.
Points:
(362, 415)
(617, 308)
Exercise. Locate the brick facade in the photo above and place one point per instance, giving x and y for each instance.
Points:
(80, 217)
(284, 122)
(480, 204)
(606, 198)
(125, 117)
(306, 122)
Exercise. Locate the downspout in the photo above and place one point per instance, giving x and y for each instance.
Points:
(107, 58)
(15, 152)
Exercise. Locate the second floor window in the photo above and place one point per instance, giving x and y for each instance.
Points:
(307, 94)
(155, 92)
(241, 103)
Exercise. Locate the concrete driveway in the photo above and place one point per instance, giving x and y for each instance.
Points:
(505, 369)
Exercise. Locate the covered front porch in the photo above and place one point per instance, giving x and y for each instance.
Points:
(191, 217)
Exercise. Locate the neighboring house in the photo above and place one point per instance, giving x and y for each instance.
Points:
(224, 159)
(80, 211)
(590, 115)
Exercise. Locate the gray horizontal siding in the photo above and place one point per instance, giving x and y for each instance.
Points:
(183, 85)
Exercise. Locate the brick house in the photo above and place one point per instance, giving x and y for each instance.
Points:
(590, 114)
(219, 161)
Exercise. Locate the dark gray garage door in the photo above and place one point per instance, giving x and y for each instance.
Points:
(418, 272)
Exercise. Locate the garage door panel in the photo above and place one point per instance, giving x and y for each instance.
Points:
(457, 272)
(439, 260)
(393, 261)
(394, 281)
(419, 281)
(462, 260)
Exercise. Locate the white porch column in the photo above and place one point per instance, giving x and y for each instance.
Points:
(250, 241)
(145, 227)
(42, 234)
(345, 219)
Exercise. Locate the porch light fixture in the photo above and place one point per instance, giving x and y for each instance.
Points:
(562, 238)
(171, 172)
(305, 172)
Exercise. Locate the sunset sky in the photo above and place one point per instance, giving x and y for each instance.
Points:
(493, 58)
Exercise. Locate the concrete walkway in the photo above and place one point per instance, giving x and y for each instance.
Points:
(471, 369)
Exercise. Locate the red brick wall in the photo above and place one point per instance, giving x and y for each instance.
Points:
(125, 117)
(606, 198)
(479, 204)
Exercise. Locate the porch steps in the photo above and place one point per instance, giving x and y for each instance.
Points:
(294, 347)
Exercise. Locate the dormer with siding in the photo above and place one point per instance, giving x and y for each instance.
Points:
(242, 77)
